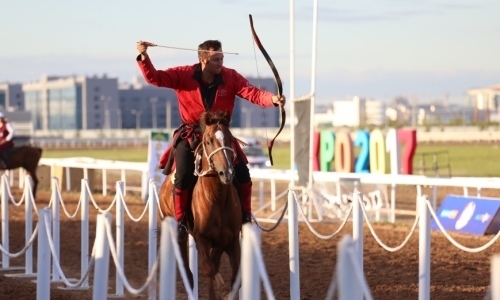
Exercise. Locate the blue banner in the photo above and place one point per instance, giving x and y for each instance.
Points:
(472, 215)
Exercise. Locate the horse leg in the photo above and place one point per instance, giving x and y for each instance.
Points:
(32, 174)
(207, 266)
(222, 288)
(184, 247)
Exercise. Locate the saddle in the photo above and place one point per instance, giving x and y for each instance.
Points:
(193, 134)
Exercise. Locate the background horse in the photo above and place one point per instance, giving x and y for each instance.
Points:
(26, 157)
(215, 217)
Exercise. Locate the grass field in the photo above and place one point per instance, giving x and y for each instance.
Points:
(464, 160)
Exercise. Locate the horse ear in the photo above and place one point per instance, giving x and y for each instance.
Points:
(205, 119)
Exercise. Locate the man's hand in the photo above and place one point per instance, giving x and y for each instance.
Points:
(142, 47)
(279, 100)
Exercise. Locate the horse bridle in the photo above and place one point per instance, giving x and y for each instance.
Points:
(211, 167)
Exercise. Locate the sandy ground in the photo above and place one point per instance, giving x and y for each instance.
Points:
(391, 275)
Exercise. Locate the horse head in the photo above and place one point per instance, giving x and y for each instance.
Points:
(215, 152)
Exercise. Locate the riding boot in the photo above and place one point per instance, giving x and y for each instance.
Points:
(181, 200)
(245, 194)
(3, 162)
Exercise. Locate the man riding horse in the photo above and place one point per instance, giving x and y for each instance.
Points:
(205, 86)
(6, 140)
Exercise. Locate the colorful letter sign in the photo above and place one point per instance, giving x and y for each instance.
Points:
(335, 151)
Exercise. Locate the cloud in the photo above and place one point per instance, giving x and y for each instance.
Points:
(456, 6)
(340, 15)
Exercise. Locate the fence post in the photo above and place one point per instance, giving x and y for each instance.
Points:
(495, 277)
(5, 220)
(120, 233)
(28, 210)
(167, 259)
(250, 276)
(345, 273)
(293, 244)
(43, 257)
(424, 246)
(55, 224)
(101, 266)
(357, 237)
(152, 227)
(84, 198)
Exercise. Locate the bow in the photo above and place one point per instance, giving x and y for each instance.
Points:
(278, 83)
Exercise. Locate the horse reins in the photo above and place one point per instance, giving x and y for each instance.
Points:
(209, 158)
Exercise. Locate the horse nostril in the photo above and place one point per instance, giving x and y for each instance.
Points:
(221, 173)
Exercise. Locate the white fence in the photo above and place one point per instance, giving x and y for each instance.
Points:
(252, 269)
(333, 194)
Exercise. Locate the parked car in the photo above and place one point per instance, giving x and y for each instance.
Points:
(254, 153)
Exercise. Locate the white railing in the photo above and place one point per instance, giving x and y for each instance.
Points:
(49, 267)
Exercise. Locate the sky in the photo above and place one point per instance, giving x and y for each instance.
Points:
(382, 49)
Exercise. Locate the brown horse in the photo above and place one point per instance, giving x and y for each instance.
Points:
(26, 157)
(215, 217)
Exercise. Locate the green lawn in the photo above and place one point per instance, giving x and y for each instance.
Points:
(465, 160)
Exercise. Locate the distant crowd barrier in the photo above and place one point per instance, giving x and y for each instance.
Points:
(334, 189)
(429, 134)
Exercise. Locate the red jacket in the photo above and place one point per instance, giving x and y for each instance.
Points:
(181, 80)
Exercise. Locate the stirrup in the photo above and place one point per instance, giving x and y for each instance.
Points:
(247, 218)
(181, 231)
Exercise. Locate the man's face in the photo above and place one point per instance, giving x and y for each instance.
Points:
(213, 61)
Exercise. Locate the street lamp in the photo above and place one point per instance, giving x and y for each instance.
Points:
(137, 114)
(168, 114)
(119, 113)
(153, 101)
(248, 114)
(106, 101)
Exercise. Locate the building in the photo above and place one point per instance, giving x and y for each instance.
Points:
(59, 103)
(72, 102)
(358, 112)
(147, 106)
(11, 96)
(486, 101)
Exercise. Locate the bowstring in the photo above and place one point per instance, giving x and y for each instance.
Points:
(258, 80)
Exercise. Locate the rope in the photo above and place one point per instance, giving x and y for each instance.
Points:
(30, 242)
(121, 198)
(324, 237)
(56, 259)
(95, 203)
(119, 269)
(374, 234)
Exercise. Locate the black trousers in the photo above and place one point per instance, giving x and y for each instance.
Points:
(184, 167)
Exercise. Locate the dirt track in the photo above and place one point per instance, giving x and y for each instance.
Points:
(455, 274)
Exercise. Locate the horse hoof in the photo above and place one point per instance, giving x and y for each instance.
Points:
(222, 288)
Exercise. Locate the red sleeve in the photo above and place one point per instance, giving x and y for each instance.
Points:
(246, 90)
(168, 78)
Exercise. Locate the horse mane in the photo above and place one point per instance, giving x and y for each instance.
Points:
(212, 118)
